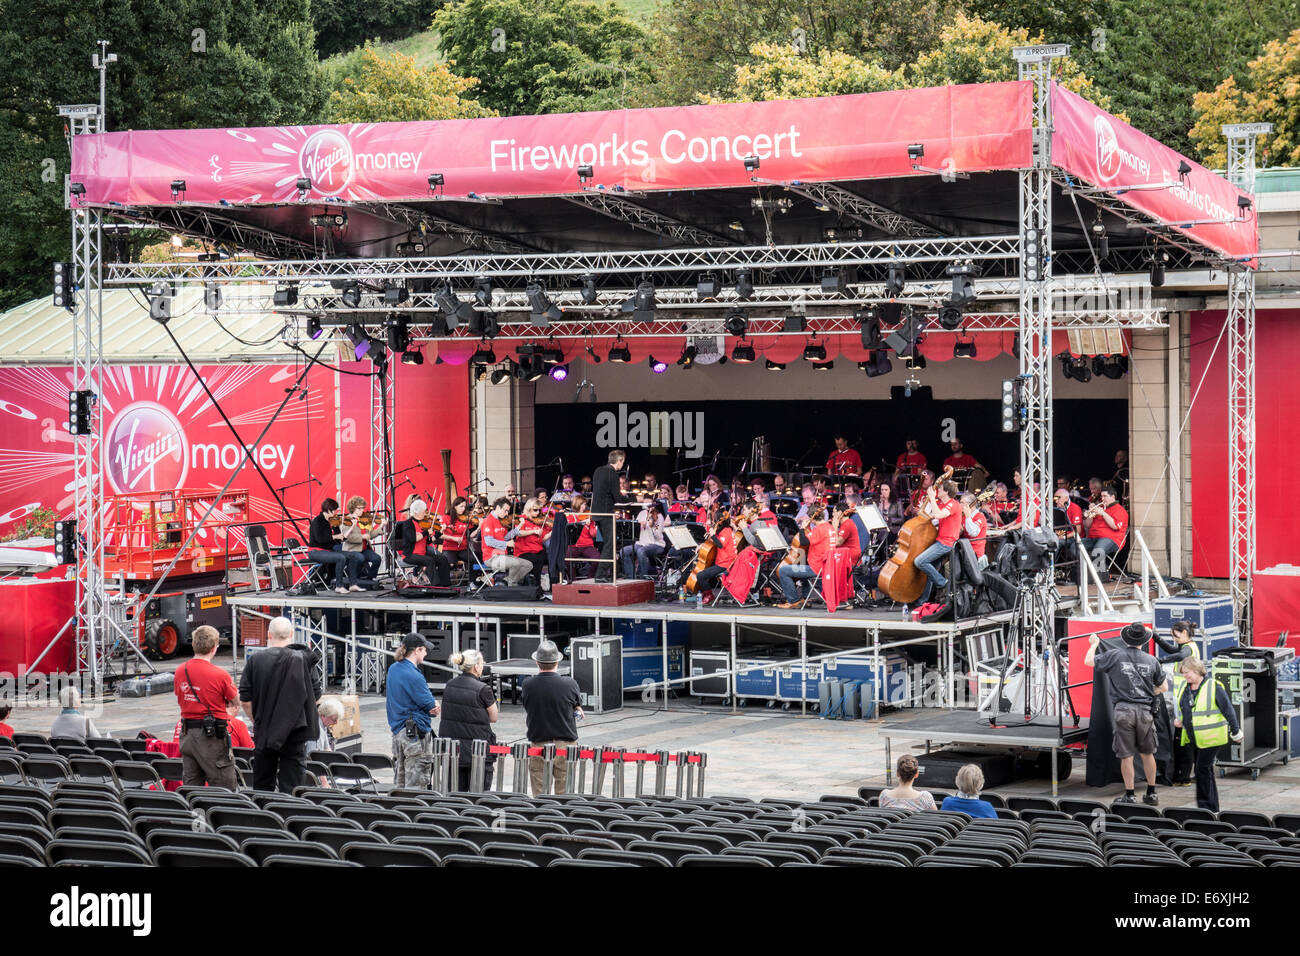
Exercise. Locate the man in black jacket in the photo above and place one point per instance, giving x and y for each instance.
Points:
(279, 691)
(551, 711)
(605, 494)
(418, 546)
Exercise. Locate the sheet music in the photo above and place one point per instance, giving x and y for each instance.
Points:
(679, 537)
(871, 517)
(770, 539)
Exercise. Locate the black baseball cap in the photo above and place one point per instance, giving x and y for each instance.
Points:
(413, 641)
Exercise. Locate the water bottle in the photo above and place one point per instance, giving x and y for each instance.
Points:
(681, 595)
(907, 612)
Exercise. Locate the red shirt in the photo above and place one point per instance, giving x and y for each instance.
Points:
(949, 521)
(846, 462)
(453, 533)
(726, 547)
(679, 507)
(702, 517)
(818, 544)
(1074, 516)
(202, 688)
(767, 515)
(6, 731)
(1001, 508)
(978, 542)
(960, 461)
(586, 537)
(849, 532)
(528, 544)
(492, 528)
(910, 461)
(1099, 528)
(238, 730)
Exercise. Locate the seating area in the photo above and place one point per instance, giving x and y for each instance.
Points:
(66, 809)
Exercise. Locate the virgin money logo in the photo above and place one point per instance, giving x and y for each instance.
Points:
(326, 159)
(1108, 161)
(146, 450)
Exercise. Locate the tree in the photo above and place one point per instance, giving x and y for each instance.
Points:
(701, 43)
(780, 72)
(1156, 57)
(1057, 21)
(340, 24)
(181, 63)
(379, 89)
(545, 56)
(1269, 92)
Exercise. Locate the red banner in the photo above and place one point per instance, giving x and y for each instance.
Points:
(1089, 143)
(862, 136)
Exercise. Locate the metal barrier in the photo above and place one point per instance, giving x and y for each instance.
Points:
(611, 762)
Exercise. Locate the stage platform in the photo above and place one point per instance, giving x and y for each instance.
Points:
(967, 727)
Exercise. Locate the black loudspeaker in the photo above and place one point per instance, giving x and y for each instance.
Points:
(939, 769)
(423, 592)
(502, 592)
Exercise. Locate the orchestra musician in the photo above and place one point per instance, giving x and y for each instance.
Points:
(891, 508)
(975, 527)
(416, 542)
(945, 511)
(516, 501)
(815, 542)
(843, 460)
(1107, 524)
(358, 533)
(585, 547)
(530, 536)
(682, 503)
(844, 546)
(960, 459)
(724, 536)
(1001, 511)
(809, 496)
(456, 529)
(323, 535)
(714, 487)
(496, 540)
(543, 498)
(911, 462)
(649, 543)
(1072, 531)
(919, 495)
(1120, 479)
(567, 491)
(779, 486)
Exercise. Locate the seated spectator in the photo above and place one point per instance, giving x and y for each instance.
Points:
(904, 796)
(5, 729)
(970, 780)
(71, 722)
(239, 735)
(330, 710)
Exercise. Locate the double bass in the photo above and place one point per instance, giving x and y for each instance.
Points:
(706, 555)
(900, 578)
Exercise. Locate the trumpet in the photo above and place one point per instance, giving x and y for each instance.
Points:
(1093, 511)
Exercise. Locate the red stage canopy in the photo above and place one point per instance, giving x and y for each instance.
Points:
(864, 136)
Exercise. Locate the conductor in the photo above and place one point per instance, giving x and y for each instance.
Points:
(605, 494)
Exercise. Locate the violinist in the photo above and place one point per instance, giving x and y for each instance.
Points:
(531, 533)
(706, 505)
(844, 550)
(809, 502)
(649, 544)
(324, 533)
(498, 539)
(359, 529)
(814, 541)
(682, 503)
(585, 547)
(417, 542)
(456, 528)
(724, 537)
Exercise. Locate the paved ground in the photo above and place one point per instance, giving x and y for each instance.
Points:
(755, 752)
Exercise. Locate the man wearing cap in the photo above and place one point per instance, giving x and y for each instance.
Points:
(552, 712)
(410, 707)
(1134, 678)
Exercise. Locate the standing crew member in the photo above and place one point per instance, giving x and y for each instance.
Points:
(551, 711)
(1208, 721)
(1134, 678)
(279, 690)
(410, 704)
(1174, 653)
(469, 710)
(204, 692)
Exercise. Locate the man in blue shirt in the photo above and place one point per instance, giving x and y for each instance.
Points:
(410, 707)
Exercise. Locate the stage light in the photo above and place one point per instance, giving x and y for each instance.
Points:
(775, 366)
(65, 542)
(904, 339)
(950, 317)
(963, 349)
(160, 302)
(737, 324)
(795, 323)
(743, 354)
(303, 186)
(314, 328)
(812, 352)
(895, 280)
(1184, 170)
(734, 225)
(708, 287)
(79, 409)
(1158, 260)
(359, 340)
(1243, 203)
(483, 291)
(687, 358)
(751, 163)
(395, 330)
(454, 311)
(744, 287)
(285, 296)
(435, 181)
(1075, 368)
(642, 302)
(916, 152)
(414, 247)
(1014, 413)
(531, 365)
(542, 310)
(63, 297)
(412, 358)
(656, 366)
(178, 187)
(879, 364)
(559, 372)
(833, 282)
(585, 173)
(352, 296)
(1031, 264)
(589, 294)
(1111, 366)
(484, 355)
(619, 352)
(915, 361)
(212, 297)
(869, 321)
(499, 375)
(823, 366)
(77, 189)
(395, 294)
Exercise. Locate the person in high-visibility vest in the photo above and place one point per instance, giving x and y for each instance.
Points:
(1173, 652)
(1208, 721)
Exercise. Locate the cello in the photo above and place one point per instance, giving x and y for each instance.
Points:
(706, 555)
(900, 578)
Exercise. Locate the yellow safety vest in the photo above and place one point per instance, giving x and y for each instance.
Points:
(1208, 723)
(1179, 680)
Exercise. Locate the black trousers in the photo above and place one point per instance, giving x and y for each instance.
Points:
(279, 769)
(538, 560)
(1184, 760)
(462, 779)
(1207, 791)
(435, 565)
(605, 570)
(707, 580)
(464, 556)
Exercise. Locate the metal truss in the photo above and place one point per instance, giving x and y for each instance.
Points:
(639, 217)
(209, 224)
(849, 204)
(464, 268)
(425, 223)
(1241, 393)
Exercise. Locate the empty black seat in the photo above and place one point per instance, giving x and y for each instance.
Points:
(183, 856)
(388, 854)
(261, 849)
(61, 850)
(188, 840)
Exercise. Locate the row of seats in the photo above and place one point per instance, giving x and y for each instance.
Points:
(80, 823)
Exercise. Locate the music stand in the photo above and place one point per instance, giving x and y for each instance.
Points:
(770, 539)
(680, 537)
(871, 517)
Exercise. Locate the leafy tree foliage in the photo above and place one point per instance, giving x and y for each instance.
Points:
(1268, 92)
(390, 88)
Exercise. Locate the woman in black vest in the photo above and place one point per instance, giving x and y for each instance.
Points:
(469, 709)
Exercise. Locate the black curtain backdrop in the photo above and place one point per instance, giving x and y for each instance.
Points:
(1087, 434)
